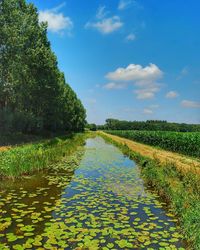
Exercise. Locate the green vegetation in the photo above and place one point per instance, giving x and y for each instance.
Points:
(185, 143)
(102, 205)
(9, 139)
(180, 190)
(92, 126)
(149, 125)
(34, 96)
(36, 156)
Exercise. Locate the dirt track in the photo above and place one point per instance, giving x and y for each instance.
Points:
(183, 163)
(4, 148)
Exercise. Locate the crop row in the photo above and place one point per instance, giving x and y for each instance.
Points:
(185, 143)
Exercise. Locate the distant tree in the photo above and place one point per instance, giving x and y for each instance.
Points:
(149, 125)
(92, 126)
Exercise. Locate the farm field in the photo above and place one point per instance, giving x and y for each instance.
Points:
(184, 143)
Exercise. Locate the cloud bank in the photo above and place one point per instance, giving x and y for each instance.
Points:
(145, 79)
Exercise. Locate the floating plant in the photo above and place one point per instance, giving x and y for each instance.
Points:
(94, 199)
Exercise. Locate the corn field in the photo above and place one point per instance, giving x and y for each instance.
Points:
(184, 143)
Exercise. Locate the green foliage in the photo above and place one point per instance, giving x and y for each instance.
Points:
(33, 91)
(92, 126)
(18, 139)
(19, 121)
(31, 157)
(149, 125)
(185, 143)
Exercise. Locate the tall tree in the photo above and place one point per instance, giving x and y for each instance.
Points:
(30, 80)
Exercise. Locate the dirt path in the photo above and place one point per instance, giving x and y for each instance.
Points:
(4, 148)
(183, 163)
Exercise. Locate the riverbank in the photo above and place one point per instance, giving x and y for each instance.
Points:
(183, 163)
(28, 158)
(174, 177)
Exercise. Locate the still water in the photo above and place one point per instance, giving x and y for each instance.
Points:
(93, 199)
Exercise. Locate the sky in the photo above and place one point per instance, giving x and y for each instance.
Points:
(129, 59)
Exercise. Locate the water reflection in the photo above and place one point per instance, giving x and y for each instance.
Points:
(101, 204)
(27, 205)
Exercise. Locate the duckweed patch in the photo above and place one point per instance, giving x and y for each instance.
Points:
(94, 199)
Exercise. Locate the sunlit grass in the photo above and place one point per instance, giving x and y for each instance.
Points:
(33, 157)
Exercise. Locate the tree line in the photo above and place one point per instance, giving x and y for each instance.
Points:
(34, 95)
(149, 125)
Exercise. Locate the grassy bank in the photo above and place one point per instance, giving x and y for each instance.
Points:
(182, 191)
(28, 158)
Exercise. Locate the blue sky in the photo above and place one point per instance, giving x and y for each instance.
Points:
(129, 59)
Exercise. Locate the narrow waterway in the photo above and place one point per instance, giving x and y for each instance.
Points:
(94, 199)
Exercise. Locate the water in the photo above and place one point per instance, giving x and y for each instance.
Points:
(94, 199)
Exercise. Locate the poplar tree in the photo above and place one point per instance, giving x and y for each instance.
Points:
(33, 91)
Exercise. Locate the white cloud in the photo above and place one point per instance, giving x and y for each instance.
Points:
(106, 25)
(130, 37)
(123, 4)
(146, 93)
(143, 78)
(147, 111)
(190, 104)
(172, 94)
(113, 85)
(135, 72)
(57, 22)
(101, 12)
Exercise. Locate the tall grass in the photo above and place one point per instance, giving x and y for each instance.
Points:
(182, 191)
(33, 157)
